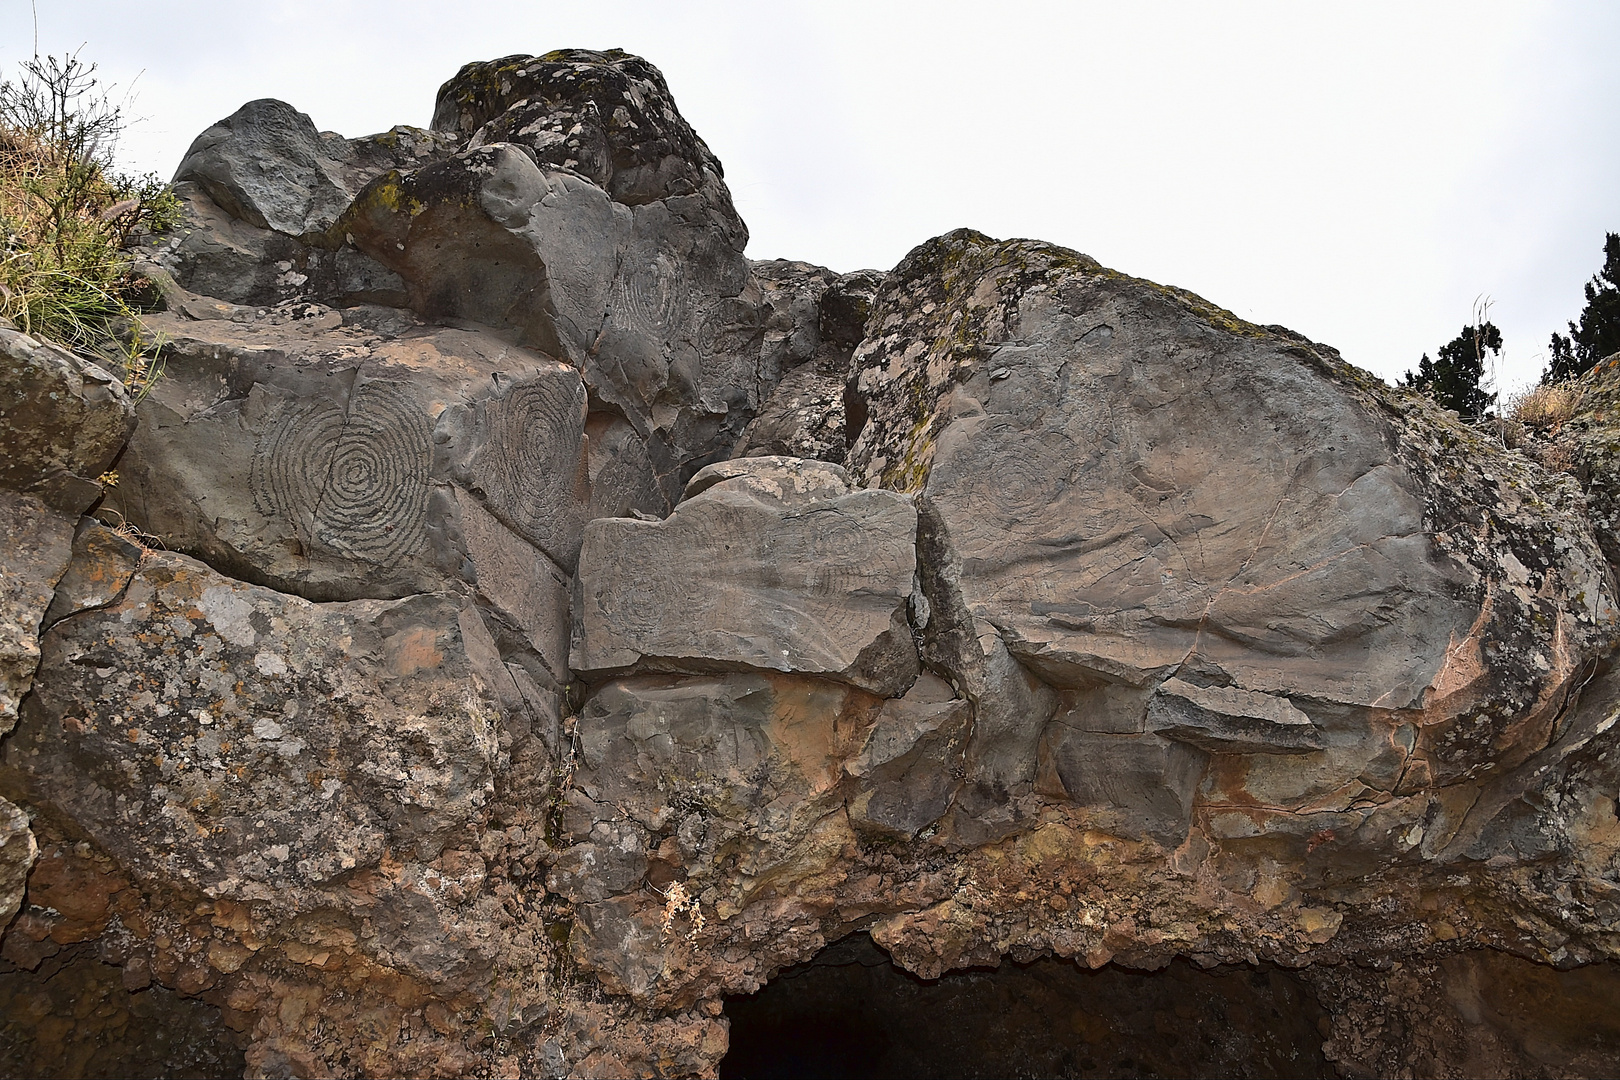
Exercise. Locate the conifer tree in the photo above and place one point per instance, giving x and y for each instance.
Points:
(1598, 333)
(1453, 379)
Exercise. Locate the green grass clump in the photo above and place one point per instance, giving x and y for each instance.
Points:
(67, 217)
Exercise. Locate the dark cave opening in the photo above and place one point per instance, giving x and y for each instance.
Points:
(850, 1012)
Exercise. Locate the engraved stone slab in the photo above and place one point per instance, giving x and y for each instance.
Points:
(330, 460)
(780, 566)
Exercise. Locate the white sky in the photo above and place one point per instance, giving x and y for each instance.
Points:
(1359, 172)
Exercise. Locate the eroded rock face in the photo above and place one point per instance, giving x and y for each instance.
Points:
(64, 420)
(814, 320)
(587, 217)
(319, 455)
(244, 741)
(784, 568)
(566, 622)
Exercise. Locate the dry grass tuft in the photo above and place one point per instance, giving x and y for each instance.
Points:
(67, 216)
(1546, 406)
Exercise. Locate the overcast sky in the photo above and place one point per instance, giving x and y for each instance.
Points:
(1362, 173)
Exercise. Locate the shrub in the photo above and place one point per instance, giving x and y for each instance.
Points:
(66, 216)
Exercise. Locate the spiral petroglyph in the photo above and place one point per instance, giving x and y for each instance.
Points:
(352, 482)
(528, 462)
(652, 299)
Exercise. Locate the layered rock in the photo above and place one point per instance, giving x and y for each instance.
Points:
(784, 568)
(567, 622)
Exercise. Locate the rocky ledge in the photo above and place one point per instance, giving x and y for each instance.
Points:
(533, 622)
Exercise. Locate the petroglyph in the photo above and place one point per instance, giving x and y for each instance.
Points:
(353, 482)
(525, 459)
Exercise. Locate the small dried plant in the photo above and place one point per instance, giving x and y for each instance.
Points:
(678, 902)
(124, 527)
(1546, 406)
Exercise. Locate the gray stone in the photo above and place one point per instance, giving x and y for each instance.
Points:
(604, 239)
(265, 164)
(226, 261)
(651, 303)
(1132, 482)
(35, 546)
(1010, 705)
(745, 764)
(911, 764)
(1226, 720)
(776, 566)
(62, 421)
(337, 462)
(613, 860)
(813, 321)
(1140, 785)
(623, 483)
(102, 563)
(608, 116)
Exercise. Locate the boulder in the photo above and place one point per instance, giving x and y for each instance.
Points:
(768, 563)
(338, 462)
(62, 420)
(608, 116)
(242, 741)
(568, 622)
(265, 164)
(1135, 485)
(585, 217)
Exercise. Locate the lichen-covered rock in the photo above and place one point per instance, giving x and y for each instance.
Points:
(1586, 444)
(735, 789)
(769, 563)
(17, 851)
(1133, 485)
(243, 741)
(62, 421)
(546, 677)
(35, 545)
(814, 319)
(608, 116)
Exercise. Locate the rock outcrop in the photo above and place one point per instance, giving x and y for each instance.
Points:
(520, 621)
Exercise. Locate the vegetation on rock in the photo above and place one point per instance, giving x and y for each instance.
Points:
(1453, 379)
(1598, 333)
(67, 214)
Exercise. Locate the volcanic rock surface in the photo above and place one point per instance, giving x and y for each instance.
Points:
(533, 622)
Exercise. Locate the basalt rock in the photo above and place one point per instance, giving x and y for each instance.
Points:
(63, 421)
(814, 321)
(530, 621)
(336, 461)
(784, 568)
